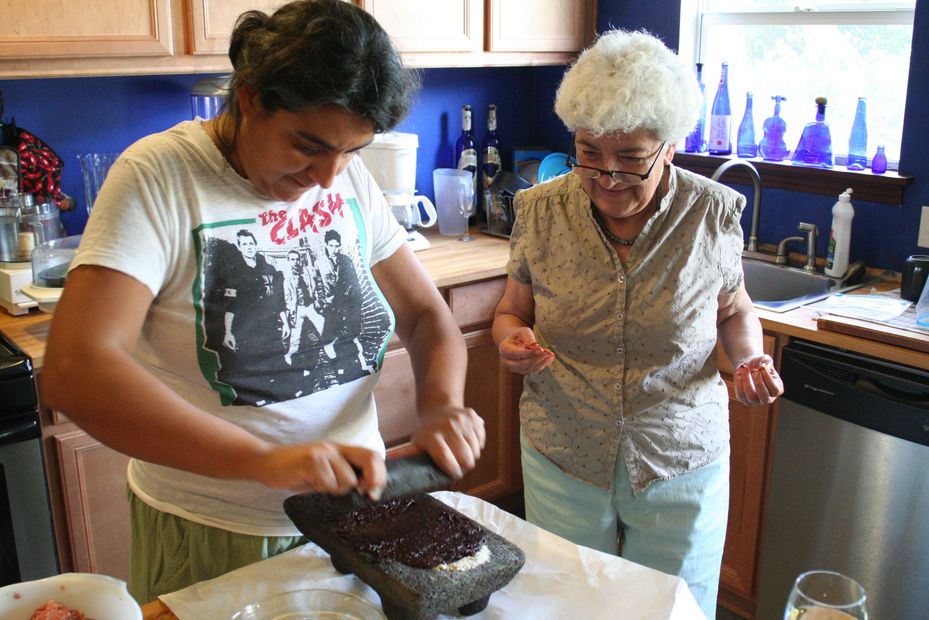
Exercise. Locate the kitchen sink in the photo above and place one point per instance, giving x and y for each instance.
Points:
(779, 288)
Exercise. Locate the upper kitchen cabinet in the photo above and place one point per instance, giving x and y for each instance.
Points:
(209, 24)
(442, 26)
(63, 38)
(483, 33)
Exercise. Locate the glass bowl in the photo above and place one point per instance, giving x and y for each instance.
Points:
(310, 605)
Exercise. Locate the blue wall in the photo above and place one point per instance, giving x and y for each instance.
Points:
(882, 235)
(80, 115)
(77, 115)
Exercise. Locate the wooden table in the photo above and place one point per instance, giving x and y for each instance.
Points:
(156, 610)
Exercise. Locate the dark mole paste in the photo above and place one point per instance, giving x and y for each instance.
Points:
(411, 531)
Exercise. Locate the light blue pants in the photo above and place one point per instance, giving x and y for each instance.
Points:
(675, 526)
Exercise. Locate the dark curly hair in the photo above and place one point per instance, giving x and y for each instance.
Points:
(311, 53)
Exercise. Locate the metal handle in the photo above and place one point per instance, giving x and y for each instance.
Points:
(20, 432)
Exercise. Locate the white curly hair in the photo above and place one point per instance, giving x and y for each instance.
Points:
(627, 81)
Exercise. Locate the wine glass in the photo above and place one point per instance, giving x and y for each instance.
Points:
(466, 208)
(826, 595)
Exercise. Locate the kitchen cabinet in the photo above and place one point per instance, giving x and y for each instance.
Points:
(93, 478)
(475, 33)
(490, 390)
(60, 38)
(87, 492)
(751, 432)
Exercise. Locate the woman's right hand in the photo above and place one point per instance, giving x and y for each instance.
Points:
(522, 354)
(324, 467)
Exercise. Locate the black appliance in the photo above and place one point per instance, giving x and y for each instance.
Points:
(849, 489)
(27, 548)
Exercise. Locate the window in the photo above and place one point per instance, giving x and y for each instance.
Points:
(803, 50)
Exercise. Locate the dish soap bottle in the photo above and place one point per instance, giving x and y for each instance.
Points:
(815, 146)
(840, 237)
(772, 146)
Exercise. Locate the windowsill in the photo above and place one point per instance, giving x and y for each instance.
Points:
(884, 188)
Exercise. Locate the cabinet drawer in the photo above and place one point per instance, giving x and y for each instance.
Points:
(473, 304)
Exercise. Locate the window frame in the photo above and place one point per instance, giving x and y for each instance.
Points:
(696, 17)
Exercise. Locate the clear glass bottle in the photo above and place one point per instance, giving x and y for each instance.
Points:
(465, 148)
(772, 146)
(879, 161)
(922, 307)
(720, 140)
(858, 140)
(490, 151)
(746, 146)
(696, 139)
(815, 146)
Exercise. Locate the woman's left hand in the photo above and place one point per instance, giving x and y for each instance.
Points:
(757, 382)
(453, 437)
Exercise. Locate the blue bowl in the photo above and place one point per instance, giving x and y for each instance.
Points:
(554, 165)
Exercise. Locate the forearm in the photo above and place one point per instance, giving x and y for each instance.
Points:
(440, 360)
(504, 325)
(128, 409)
(741, 336)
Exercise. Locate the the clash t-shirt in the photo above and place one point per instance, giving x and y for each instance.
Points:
(265, 313)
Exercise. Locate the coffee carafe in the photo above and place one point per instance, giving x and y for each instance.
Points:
(406, 208)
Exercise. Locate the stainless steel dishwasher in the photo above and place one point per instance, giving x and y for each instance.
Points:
(850, 480)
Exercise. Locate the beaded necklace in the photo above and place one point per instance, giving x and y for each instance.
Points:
(606, 231)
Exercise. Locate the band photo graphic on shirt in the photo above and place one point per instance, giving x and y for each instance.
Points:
(286, 312)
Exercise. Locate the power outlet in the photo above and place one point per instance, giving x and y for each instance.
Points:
(923, 239)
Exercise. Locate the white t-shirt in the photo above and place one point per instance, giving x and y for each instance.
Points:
(215, 253)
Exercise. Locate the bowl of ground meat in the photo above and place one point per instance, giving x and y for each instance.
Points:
(69, 596)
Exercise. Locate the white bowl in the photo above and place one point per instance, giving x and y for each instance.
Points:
(96, 596)
(310, 605)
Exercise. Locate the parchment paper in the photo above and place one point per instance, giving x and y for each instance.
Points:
(559, 579)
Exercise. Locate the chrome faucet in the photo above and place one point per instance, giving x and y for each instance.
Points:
(756, 199)
(810, 231)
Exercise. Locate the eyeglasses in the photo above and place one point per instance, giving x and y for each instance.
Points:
(619, 176)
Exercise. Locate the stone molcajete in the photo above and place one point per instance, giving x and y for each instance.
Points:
(348, 528)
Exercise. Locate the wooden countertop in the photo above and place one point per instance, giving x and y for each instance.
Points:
(452, 263)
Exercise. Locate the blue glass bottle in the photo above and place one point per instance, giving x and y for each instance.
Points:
(772, 146)
(815, 146)
(879, 162)
(696, 139)
(720, 140)
(746, 146)
(858, 141)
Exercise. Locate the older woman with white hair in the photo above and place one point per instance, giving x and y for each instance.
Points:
(622, 277)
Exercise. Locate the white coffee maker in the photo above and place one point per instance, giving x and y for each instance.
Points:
(391, 158)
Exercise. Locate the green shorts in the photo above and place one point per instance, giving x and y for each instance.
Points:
(170, 553)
